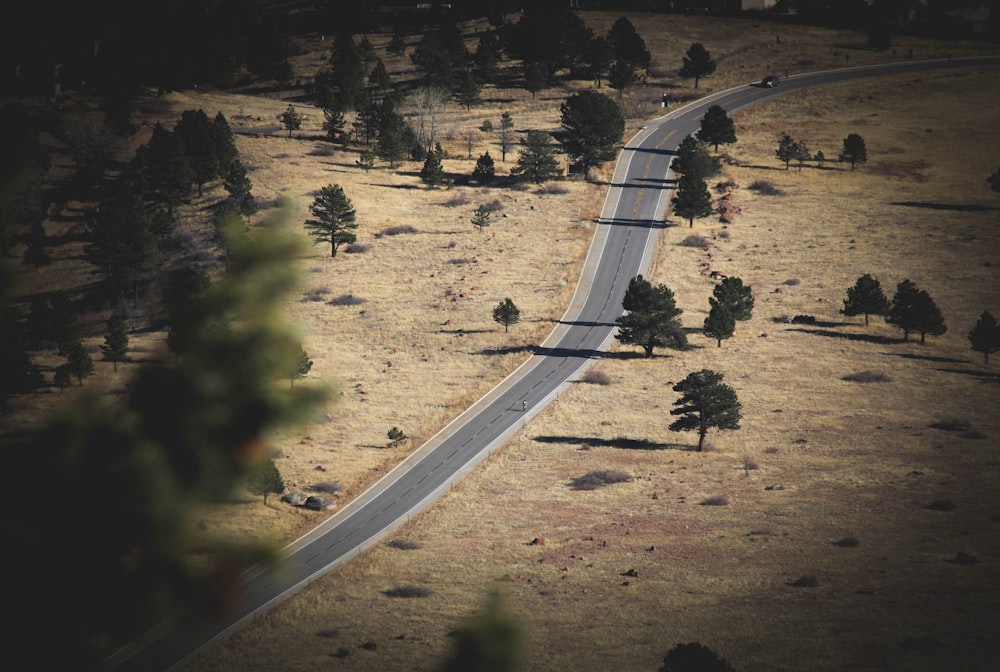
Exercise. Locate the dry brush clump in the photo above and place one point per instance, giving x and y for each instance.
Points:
(593, 480)
(867, 376)
(595, 377)
(766, 188)
(408, 591)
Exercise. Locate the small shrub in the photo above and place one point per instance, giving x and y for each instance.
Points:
(724, 234)
(347, 300)
(724, 185)
(847, 542)
(328, 487)
(791, 282)
(695, 241)
(867, 377)
(317, 294)
(357, 248)
(459, 261)
(941, 505)
(766, 188)
(405, 544)
(805, 581)
(408, 591)
(718, 500)
(398, 230)
(597, 479)
(596, 377)
(457, 199)
(553, 188)
(953, 425)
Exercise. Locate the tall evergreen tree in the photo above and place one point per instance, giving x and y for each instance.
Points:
(165, 168)
(854, 152)
(291, 120)
(866, 298)
(265, 479)
(122, 244)
(694, 657)
(238, 184)
(594, 126)
(694, 160)
(719, 324)
(651, 319)
(693, 198)
(706, 402)
(537, 159)
(115, 346)
(628, 45)
(485, 169)
(224, 143)
(195, 131)
(79, 363)
(335, 218)
(620, 77)
(300, 368)
(432, 173)
(913, 310)
(535, 78)
(716, 127)
(985, 336)
(468, 90)
(697, 63)
(481, 217)
(600, 56)
(735, 297)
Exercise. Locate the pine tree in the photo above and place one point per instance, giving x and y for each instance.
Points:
(485, 169)
(985, 336)
(651, 319)
(505, 134)
(537, 158)
(716, 127)
(594, 127)
(432, 173)
(786, 151)
(697, 63)
(366, 160)
(719, 324)
(291, 120)
(706, 402)
(301, 366)
(481, 218)
(693, 198)
(468, 90)
(735, 297)
(335, 218)
(866, 298)
(264, 479)
(535, 78)
(854, 151)
(195, 131)
(694, 160)
(238, 184)
(913, 310)
(507, 314)
(115, 340)
(78, 361)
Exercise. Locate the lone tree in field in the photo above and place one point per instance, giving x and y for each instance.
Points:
(485, 169)
(264, 479)
(719, 324)
(913, 310)
(651, 317)
(706, 402)
(78, 361)
(300, 368)
(507, 314)
(594, 127)
(693, 198)
(735, 297)
(866, 298)
(481, 217)
(396, 437)
(115, 341)
(717, 128)
(787, 149)
(537, 159)
(694, 657)
(697, 63)
(335, 218)
(854, 151)
(366, 160)
(291, 120)
(994, 180)
(432, 173)
(985, 336)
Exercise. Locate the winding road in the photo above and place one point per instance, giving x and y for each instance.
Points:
(623, 246)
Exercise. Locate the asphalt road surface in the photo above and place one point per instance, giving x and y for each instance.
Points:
(631, 222)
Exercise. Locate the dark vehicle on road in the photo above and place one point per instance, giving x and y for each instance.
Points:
(770, 81)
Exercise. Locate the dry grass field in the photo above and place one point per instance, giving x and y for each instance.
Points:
(819, 459)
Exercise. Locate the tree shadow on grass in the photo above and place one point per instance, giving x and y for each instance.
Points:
(863, 338)
(953, 207)
(984, 376)
(928, 358)
(620, 442)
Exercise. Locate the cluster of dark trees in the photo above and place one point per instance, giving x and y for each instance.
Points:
(913, 311)
(854, 151)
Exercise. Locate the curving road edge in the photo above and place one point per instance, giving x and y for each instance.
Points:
(623, 246)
